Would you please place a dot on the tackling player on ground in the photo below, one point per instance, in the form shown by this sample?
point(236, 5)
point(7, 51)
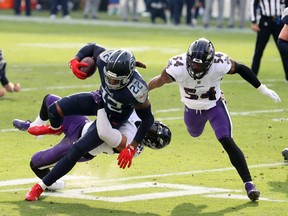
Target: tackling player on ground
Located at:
point(198, 74)
point(158, 137)
point(123, 90)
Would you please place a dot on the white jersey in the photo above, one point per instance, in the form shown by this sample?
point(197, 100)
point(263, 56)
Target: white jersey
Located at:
point(128, 129)
point(199, 94)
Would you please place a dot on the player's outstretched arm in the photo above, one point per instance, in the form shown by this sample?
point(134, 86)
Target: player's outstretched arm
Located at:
point(247, 74)
point(159, 80)
point(268, 92)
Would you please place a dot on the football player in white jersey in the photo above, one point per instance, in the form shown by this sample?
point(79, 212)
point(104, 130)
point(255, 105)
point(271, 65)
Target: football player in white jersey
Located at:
point(198, 74)
point(76, 126)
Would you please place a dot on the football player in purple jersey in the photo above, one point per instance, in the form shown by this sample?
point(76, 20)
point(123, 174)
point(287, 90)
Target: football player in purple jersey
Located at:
point(123, 90)
point(198, 73)
point(158, 137)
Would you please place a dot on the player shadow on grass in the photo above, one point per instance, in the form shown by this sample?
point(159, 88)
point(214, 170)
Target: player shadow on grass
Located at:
point(279, 187)
point(25, 208)
point(190, 209)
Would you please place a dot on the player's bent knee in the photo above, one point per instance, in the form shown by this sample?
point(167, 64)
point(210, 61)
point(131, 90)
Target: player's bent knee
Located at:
point(194, 133)
point(52, 110)
point(32, 165)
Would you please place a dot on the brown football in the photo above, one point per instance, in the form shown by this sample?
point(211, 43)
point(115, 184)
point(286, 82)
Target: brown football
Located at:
point(91, 68)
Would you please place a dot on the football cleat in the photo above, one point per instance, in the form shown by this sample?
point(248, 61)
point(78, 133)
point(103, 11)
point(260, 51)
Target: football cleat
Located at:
point(21, 125)
point(58, 185)
point(44, 129)
point(285, 153)
point(34, 193)
point(252, 192)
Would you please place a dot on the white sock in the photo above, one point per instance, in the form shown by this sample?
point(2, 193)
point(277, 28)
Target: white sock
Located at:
point(43, 186)
point(55, 128)
point(38, 121)
point(248, 182)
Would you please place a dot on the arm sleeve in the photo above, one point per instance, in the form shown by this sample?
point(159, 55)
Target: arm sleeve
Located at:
point(147, 121)
point(91, 49)
point(109, 135)
point(247, 74)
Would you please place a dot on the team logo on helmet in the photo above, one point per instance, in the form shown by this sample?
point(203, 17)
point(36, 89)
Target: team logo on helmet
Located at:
point(158, 137)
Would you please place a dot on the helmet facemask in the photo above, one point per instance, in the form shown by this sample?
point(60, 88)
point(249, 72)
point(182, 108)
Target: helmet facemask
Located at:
point(158, 137)
point(119, 69)
point(116, 82)
point(199, 58)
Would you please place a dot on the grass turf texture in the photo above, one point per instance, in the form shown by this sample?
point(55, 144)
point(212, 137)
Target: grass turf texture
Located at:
point(38, 52)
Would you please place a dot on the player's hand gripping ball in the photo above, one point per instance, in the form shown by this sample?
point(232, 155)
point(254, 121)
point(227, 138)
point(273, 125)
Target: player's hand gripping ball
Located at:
point(91, 68)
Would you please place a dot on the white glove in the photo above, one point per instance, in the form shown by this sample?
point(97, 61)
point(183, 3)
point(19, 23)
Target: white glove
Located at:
point(268, 92)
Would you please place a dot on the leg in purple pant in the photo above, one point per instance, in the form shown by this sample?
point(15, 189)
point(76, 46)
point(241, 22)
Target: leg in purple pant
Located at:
point(221, 123)
point(42, 160)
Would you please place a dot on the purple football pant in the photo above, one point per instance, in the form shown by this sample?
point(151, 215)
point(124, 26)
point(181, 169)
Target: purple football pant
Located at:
point(72, 128)
point(218, 117)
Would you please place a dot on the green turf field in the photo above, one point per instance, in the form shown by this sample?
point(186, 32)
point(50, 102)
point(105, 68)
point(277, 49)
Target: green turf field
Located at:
point(189, 177)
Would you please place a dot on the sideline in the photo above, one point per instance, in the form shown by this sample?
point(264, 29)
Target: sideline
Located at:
point(120, 22)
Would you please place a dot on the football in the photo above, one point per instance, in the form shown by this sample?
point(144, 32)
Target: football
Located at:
point(91, 68)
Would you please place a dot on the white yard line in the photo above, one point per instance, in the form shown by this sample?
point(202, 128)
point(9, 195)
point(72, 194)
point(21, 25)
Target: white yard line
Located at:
point(247, 113)
point(69, 177)
point(176, 190)
point(96, 85)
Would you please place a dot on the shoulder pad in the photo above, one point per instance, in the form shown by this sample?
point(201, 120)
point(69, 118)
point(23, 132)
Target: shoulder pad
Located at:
point(139, 90)
point(176, 62)
point(105, 55)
